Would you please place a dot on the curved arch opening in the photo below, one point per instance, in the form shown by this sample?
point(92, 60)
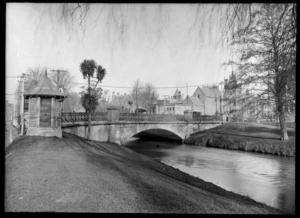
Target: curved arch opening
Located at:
point(158, 134)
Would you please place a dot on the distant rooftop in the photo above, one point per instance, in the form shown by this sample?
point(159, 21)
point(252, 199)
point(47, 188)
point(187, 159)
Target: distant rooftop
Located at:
point(45, 87)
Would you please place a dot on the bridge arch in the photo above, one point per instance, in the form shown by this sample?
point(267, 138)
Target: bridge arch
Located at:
point(158, 133)
point(121, 132)
point(175, 132)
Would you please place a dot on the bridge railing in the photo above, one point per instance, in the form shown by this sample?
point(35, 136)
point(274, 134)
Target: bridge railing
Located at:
point(150, 117)
point(197, 117)
point(73, 117)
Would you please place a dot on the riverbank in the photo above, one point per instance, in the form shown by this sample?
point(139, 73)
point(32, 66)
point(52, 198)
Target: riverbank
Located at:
point(73, 174)
point(251, 137)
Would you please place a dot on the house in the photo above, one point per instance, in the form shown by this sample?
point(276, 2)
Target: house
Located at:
point(173, 105)
point(44, 108)
point(170, 106)
point(194, 104)
point(210, 98)
point(245, 102)
point(9, 112)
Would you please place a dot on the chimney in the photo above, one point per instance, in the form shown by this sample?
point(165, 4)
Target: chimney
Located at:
point(46, 72)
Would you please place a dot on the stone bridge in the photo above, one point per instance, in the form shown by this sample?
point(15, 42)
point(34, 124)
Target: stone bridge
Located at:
point(116, 130)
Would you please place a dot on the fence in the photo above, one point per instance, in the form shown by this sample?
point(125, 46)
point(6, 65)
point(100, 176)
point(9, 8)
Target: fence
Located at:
point(150, 117)
point(73, 117)
point(198, 117)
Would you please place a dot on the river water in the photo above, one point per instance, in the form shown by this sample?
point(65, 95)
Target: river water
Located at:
point(265, 178)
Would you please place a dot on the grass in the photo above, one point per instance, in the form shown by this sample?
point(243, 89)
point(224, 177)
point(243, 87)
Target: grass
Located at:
point(73, 174)
point(246, 137)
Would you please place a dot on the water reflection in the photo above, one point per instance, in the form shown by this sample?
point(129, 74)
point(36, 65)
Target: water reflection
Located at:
point(265, 178)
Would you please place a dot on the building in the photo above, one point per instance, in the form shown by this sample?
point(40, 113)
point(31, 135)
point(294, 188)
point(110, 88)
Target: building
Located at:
point(173, 105)
point(9, 112)
point(245, 102)
point(170, 106)
point(205, 100)
point(210, 98)
point(44, 108)
point(194, 104)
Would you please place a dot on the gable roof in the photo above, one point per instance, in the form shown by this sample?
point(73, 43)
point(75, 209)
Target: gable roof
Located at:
point(45, 87)
point(193, 100)
point(212, 92)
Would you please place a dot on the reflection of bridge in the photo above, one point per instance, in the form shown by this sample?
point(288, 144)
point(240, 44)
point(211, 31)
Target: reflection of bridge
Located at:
point(116, 127)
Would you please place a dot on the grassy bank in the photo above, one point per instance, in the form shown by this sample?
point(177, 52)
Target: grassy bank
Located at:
point(246, 137)
point(73, 174)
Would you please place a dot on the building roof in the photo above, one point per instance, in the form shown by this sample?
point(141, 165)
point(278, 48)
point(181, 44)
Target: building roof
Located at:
point(211, 91)
point(162, 102)
point(193, 100)
point(177, 93)
point(45, 87)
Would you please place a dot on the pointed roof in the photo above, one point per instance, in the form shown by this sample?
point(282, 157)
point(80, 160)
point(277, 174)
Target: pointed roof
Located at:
point(193, 100)
point(177, 92)
point(211, 91)
point(45, 87)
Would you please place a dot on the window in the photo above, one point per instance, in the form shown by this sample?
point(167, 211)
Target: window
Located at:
point(26, 104)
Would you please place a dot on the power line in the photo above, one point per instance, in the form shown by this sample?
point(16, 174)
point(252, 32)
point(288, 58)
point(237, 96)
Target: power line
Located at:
point(161, 87)
point(9, 77)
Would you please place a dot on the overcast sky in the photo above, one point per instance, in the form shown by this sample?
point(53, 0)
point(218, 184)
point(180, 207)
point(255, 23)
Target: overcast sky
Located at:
point(166, 56)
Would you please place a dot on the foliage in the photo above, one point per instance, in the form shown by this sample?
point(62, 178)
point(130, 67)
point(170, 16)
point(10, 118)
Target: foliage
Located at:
point(72, 103)
point(65, 79)
point(143, 95)
point(267, 49)
point(90, 96)
point(89, 102)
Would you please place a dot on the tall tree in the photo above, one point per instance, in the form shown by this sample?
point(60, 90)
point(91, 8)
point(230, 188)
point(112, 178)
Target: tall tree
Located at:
point(267, 49)
point(149, 96)
point(137, 92)
point(89, 98)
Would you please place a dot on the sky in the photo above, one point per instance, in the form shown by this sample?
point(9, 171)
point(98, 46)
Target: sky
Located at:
point(158, 48)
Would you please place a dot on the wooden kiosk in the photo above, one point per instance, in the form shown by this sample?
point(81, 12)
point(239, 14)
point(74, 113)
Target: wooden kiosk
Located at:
point(44, 110)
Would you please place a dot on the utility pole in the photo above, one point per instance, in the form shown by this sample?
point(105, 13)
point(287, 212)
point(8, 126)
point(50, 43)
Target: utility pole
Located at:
point(57, 78)
point(58, 74)
point(187, 90)
point(22, 104)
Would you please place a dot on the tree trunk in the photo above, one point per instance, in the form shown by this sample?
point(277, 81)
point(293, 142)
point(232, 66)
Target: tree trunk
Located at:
point(283, 130)
point(89, 127)
point(89, 121)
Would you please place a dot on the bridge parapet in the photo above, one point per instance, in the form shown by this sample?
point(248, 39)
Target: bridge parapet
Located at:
point(151, 117)
point(114, 115)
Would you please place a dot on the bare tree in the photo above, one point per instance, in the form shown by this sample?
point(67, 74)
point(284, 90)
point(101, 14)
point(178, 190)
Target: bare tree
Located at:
point(149, 96)
point(267, 48)
point(64, 79)
point(136, 93)
point(89, 97)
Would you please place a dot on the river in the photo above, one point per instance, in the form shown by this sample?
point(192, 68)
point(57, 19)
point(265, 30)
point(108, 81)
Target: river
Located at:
point(265, 178)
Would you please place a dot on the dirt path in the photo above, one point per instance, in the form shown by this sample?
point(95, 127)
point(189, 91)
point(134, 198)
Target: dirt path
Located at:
point(75, 175)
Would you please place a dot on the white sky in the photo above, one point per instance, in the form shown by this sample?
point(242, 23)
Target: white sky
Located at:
point(33, 38)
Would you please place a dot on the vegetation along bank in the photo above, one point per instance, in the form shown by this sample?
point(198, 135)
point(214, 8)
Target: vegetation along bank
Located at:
point(252, 137)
